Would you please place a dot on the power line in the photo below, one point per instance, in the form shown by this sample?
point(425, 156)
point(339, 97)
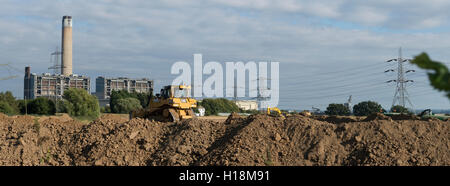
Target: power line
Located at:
point(323, 75)
point(353, 92)
point(335, 85)
point(346, 70)
point(375, 86)
point(8, 68)
point(337, 79)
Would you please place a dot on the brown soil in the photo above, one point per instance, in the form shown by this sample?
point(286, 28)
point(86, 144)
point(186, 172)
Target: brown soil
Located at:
point(254, 140)
point(338, 119)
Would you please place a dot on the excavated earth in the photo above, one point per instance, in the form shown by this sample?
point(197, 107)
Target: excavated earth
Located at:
point(296, 140)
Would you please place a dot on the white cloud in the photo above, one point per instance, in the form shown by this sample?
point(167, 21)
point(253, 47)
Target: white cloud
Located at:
point(368, 16)
point(415, 14)
point(430, 22)
point(324, 9)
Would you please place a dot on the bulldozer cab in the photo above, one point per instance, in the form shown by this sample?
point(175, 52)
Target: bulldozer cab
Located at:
point(175, 91)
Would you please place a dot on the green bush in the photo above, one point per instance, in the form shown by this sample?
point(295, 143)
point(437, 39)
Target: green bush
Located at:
point(216, 106)
point(21, 105)
point(105, 109)
point(195, 110)
point(41, 106)
point(400, 109)
point(337, 109)
point(81, 103)
point(127, 105)
point(64, 106)
point(6, 108)
point(143, 98)
point(8, 105)
point(366, 108)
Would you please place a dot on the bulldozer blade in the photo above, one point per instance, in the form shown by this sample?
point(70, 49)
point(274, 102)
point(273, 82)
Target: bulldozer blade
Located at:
point(174, 115)
point(190, 112)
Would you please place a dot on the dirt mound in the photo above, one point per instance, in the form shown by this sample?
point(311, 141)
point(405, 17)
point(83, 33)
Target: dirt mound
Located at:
point(253, 140)
point(108, 142)
point(266, 140)
point(377, 116)
point(405, 117)
point(396, 143)
point(232, 118)
point(188, 142)
point(297, 140)
point(118, 118)
point(29, 140)
point(337, 119)
point(3, 116)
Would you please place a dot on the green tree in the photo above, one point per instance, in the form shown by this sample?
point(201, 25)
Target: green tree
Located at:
point(64, 106)
point(210, 106)
point(366, 108)
point(127, 105)
point(400, 109)
point(41, 106)
point(115, 96)
point(9, 106)
point(216, 106)
point(440, 75)
point(6, 108)
point(143, 98)
point(81, 103)
point(337, 109)
point(105, 109)
point(21, 105)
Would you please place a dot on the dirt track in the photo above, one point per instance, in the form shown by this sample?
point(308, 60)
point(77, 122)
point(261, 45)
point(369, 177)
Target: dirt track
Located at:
point(254, 140)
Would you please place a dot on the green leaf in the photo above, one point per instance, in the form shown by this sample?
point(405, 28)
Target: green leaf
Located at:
point(439, 76)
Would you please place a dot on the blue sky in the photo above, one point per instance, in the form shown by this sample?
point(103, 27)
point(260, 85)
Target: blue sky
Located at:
point(327, 50)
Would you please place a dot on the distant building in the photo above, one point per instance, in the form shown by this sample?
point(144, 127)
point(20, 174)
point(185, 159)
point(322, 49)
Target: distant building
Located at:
point(247, 104)
point(105, 86)
point(51, 85)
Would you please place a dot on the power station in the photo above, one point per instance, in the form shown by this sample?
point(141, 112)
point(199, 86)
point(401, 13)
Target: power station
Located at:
point(53, 85)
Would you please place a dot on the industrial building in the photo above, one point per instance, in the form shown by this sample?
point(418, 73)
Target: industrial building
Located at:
point(51, 85)
point(54, 85)
point(104, 87)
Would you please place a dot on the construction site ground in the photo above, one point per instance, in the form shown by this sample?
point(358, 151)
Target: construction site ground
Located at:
point(261, 139)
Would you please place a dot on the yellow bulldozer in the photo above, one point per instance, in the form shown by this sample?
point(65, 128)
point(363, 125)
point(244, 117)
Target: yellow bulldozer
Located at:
point(274, 111)
point(172, 104)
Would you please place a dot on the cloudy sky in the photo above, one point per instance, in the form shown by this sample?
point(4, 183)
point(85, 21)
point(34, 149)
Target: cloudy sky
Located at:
point(327, 50)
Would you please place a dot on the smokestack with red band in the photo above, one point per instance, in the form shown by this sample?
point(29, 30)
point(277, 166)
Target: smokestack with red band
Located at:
point(66, 58)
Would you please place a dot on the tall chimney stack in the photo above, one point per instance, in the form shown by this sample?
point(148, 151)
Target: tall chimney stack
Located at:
point(66, 57)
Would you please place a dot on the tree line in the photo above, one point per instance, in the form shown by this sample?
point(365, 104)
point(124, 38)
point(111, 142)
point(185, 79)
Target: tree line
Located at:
point(364, 108)
point(76, 102)
point(79, 103)
point(123, 102)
